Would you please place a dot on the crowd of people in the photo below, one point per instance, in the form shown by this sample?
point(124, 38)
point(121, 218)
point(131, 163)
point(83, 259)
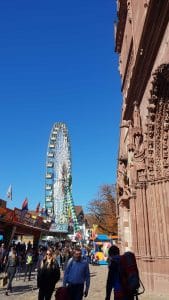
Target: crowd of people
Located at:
point(48, 261)
point(21, 260)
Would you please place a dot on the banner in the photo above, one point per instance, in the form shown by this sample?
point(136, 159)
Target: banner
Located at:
point(29, 219)
point(59, 228)
point(23, 217)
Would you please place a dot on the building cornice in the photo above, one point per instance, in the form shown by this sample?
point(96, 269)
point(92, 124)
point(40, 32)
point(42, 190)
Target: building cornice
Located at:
point(120, 26)
point(155, 25)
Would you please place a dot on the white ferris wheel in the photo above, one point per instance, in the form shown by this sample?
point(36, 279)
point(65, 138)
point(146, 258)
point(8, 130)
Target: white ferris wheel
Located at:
point(58, 184)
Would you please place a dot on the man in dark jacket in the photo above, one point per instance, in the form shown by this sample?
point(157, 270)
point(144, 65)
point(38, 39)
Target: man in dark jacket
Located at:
point(115, 277)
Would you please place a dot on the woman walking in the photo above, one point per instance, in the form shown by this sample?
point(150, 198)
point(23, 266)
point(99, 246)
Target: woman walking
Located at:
point(11, 266)
point(48, 275)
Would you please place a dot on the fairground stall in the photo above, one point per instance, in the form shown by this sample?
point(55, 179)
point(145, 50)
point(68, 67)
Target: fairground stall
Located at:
point(21, 223)
point(101, 246)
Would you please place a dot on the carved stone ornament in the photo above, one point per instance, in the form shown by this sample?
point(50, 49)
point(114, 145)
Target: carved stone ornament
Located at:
point(122, 182)
point(132, 166)
point(137, 169)
point(158, 126)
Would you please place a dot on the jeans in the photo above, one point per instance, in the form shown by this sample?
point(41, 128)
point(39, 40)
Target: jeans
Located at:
point(11, 273)
point(28, 270)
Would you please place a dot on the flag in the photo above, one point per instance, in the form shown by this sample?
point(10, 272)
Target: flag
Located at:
point(25, 204)
point(38, 207)
point(9, 192)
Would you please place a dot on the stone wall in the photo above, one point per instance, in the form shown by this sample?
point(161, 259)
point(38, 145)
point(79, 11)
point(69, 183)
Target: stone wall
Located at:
point(142, 41)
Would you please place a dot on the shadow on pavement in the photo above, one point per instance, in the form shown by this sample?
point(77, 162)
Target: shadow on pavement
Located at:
point(17, 290)
point(93, 274)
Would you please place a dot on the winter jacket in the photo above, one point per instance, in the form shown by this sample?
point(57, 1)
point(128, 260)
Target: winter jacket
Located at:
point(48, 275)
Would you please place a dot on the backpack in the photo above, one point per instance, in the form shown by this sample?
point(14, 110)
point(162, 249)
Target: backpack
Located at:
point(129, 273)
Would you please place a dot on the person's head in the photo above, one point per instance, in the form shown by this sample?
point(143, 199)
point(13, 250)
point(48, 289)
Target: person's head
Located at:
point(113, 250)
point(77, 254)
point(49, 254)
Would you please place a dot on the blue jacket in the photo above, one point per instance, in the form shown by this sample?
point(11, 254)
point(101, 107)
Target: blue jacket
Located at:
point(77, 272)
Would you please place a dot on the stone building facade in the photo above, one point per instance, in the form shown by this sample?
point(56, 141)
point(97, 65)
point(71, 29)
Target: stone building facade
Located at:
point(142, 42)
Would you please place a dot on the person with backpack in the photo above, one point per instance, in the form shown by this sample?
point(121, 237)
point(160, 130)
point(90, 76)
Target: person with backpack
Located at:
point(130, 275)
point(113, 278)
point(123, 275)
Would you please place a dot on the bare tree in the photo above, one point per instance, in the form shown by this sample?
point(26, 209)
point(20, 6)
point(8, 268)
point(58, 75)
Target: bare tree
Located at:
point(103, 209)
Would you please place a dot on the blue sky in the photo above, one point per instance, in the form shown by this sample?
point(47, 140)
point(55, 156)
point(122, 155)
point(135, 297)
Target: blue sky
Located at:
point(57, 64)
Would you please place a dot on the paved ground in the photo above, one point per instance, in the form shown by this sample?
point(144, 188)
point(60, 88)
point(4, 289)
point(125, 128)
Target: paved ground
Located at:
point(28, 291)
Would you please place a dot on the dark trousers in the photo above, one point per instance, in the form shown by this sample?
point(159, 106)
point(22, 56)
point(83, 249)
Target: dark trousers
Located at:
point(11, 273)
point(76, 291)
point(2, 267)
point(28, 270)
point(45, 295)
point(121, 295)
point(18, 271)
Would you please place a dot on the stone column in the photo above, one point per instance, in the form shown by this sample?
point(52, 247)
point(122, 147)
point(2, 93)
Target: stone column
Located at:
point(133, 220)
point(156, 207)
point(142, 220)
point(151, 219)
point(165, 215)
point(126, 229)
point(160, 218)
point(147, 249)
point(139, 220)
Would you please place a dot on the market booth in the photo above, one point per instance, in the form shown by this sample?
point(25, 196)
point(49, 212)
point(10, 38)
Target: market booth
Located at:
point(101, 245)
point(20, 222)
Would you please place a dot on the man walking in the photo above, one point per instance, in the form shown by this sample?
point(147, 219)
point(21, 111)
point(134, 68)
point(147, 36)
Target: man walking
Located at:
point(29, 264)
point(77, 276)
point(113, 278)
point(123, 275)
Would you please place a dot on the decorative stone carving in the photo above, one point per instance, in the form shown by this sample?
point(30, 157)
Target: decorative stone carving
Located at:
point(130, 146)
point(132, 168)
point(158, 126)
point(129, 11)
point(122, 181)
point(139, 149)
